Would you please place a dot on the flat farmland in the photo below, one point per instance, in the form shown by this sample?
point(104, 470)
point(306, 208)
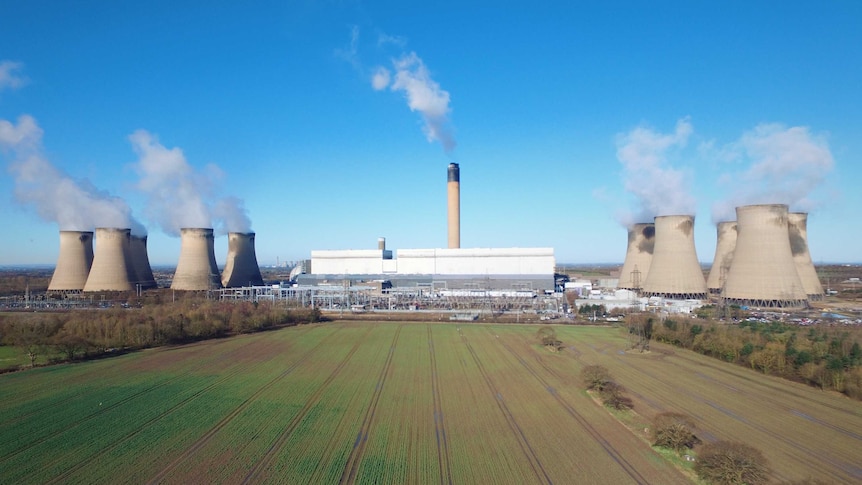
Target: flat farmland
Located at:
point(360, 402)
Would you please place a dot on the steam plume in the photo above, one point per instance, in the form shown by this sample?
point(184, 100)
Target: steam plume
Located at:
point(423, 94)
point(10, 76)
point(180, 196)
point(75, 205)
point(785, 165)
point(658, 188)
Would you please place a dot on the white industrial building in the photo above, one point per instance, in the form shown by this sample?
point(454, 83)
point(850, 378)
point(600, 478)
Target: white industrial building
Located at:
point(497, 268)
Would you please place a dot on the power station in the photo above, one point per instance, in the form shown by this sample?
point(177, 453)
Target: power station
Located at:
point(761, 260)
point(452, 267)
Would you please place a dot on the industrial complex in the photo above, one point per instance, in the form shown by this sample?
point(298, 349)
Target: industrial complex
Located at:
point(761, 260)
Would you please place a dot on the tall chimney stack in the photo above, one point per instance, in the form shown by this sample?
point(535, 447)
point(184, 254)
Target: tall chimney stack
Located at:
point(454, 190)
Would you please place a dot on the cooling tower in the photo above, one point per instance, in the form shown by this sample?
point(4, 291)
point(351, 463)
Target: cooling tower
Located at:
point(241, 268)
point(454, 192)
point(638, 256)
point(797, 226)
point(763, 273)
point(141, 263)
point(196, 268)
point(112, 265)
point(675, 271)
point(725, 244)
point(73, 261)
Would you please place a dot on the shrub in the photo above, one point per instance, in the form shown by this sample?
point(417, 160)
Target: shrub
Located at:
point(730, 463)
point(674, 431)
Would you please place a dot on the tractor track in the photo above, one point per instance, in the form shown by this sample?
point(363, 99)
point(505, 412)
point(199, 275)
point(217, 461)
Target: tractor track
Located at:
point(443, 460)
point(66, 399)
point(207, 437)
point(356, 454)
point(261, 465)
point(104, 409)
point(850, 469)
point(526, 448)
point(609, 449)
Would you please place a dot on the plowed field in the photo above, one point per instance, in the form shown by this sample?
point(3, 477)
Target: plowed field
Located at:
point(400, 403)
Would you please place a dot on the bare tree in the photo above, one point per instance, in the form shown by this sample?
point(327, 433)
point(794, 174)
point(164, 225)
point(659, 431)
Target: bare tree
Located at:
point(548, 336)
point(595, 377)
point(674, 431)
point(613, 396)
point(731, 463)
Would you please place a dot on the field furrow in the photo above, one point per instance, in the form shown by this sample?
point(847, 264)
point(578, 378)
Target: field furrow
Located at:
point(439, 423)
point(354, 460)
point(403, 403)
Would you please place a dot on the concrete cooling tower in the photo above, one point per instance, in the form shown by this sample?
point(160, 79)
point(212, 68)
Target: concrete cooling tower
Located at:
point(797, 226)
point(675, 271)
point(638, 256)
point(724, 247)
point(112, 266)
point(763, 273)
point(241, 268)
point(196, 268)
point(73, 262)
point(141, 263)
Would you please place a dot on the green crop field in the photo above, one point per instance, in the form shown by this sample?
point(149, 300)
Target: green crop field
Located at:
point(401, 403)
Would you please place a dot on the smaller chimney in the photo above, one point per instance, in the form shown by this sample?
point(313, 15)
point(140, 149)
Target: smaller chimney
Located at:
point(381, 243)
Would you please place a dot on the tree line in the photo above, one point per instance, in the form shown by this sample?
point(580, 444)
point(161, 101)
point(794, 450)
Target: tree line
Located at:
point(90, 333)
point(825, 356)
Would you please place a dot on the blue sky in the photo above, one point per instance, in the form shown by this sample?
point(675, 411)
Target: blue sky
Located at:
point(325, 125)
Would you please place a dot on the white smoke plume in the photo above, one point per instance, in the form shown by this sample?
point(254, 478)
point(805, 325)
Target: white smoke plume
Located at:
point(658, 188)
point(423, 94)
point(231, 215)
point(179, 196)
point(10, 75)
point(784, 166)
point(75, 205)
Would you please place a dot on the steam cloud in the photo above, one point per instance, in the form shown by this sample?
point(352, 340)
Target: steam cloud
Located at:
point(179, 196)
point(10, 76)
point(658, 188)
point(56, 197)
point(785, 165)
point(423, 94)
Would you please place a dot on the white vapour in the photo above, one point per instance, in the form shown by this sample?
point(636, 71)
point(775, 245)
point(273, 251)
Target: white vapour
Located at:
point(75, 205)
point(231, 215)
point(423, 94)
point(10, 75)
point(658, 188)
point(784, 166)
point(179, 196)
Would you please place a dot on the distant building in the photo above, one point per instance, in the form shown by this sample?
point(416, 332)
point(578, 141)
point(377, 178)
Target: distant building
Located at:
point(492, 268)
